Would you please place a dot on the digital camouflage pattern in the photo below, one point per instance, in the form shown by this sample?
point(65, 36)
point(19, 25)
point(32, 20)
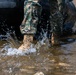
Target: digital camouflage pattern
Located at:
point(56, 18)
point(32, 12)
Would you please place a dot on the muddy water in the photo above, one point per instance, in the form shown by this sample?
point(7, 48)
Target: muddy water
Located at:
point(59, 60)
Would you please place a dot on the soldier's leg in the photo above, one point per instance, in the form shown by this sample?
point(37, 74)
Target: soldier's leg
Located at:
point(27, 41)
point(28, 35)
point(55, 21)
point(29, 24)
point(26, 27)
point(56, 26)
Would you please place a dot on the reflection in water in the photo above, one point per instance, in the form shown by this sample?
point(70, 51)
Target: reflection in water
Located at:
point(59, 60)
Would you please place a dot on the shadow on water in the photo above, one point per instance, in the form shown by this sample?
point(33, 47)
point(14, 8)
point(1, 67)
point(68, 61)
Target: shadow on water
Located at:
point(66, 40)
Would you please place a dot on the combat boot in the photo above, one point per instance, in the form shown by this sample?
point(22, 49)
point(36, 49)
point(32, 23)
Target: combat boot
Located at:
point(54, 40)
point(27, 41)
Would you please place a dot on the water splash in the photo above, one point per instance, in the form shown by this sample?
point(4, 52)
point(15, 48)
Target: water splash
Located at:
point(43, 41)
point(13, 44)
point(11, 39)
point(8, 50)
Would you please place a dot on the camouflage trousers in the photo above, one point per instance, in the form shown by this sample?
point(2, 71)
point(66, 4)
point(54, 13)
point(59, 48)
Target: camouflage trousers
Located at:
point(56, 22)
point(32, 12)
point(56, 18)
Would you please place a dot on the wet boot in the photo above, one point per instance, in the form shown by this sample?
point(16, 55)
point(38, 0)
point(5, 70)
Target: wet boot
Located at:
point(55, 40)
point(27, 41)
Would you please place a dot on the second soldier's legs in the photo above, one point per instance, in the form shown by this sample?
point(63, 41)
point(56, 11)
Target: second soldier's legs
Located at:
point(56, 22)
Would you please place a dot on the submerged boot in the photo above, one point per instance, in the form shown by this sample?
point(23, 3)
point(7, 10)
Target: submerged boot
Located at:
point(54, 40)
point(28, 39)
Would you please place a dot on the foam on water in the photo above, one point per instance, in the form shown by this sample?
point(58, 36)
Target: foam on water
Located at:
point(7, 50)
